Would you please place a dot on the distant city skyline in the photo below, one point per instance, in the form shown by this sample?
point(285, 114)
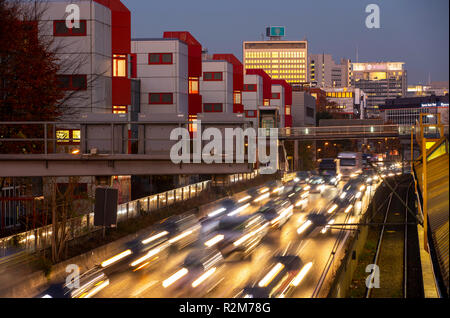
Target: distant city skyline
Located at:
point(412, 31)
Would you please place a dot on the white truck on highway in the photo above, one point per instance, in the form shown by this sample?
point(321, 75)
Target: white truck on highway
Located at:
point(350, 164)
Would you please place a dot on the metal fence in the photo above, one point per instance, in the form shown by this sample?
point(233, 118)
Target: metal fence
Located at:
point(40, 238)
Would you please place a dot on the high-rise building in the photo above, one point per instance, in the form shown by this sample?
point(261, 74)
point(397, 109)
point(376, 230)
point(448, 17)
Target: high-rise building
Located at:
point(286, 60)
point(326, 73)
point(380, 81)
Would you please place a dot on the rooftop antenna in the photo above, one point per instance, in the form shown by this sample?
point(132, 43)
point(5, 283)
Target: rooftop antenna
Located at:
point(262, 36)
point(429, 78)
point(357, 57)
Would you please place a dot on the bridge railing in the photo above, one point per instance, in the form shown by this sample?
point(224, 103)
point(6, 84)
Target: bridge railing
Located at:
point(345, 131)
point(152, 138)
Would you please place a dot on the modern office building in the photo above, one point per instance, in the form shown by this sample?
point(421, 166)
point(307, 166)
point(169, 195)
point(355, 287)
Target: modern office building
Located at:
point(347, 100)
point(380, 81)
point(406, 111)
point(287, 60)
point(326, 73)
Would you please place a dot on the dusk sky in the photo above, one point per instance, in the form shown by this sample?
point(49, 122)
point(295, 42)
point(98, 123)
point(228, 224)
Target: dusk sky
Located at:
point(412, 31)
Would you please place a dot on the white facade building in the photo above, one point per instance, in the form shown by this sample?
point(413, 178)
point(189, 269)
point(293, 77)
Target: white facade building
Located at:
point(162, 67)
point(252, 97)
point(216, 87)
point(278, 102)
point(85, 53)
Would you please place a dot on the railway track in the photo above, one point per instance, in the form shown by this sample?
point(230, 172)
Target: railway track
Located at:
point(391, 255)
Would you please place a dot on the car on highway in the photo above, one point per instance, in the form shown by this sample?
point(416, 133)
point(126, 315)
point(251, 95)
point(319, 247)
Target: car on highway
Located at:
point(277, 212)
point(298, 196)
point(241, 234)
point(182, 230)
point(199, 273)
point(284, 276)
point(331, 179)
point(316, 184)
point(89, 284)
point(315, 221)
point(302, 177)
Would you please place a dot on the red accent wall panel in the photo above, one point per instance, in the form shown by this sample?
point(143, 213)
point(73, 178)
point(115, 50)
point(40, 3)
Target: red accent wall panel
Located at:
point(287, 90)
point(288, 121)
point(120, 44)
point(238, 69)
point(194, 51)
point(238, 108)
point(195, 104)
point(121, 91)
point(267, 81)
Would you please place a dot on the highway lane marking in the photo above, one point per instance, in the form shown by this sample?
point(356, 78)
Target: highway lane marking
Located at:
point(145, 287)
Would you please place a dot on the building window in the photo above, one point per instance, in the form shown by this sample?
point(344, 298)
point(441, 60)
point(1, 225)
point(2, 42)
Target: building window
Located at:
point(266, 102)
point(288, 109)
point(160, 58)
point(72, 82)
point(192, 124)
point(250, 87)
point(310, 112)
point(60, 29)
point(275, 95)
point(120, 109)
point(193, 85)
point(212, 107)
point(250, 113)
point(160, 98)
point(212, 76)
point(237, 98)
point(68, 136)
point(119, 65)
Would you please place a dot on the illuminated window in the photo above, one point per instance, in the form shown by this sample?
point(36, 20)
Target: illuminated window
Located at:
point(266, 102)
point(119, 65)
point(68, 136)
point(192, 123)
point(288, 109)
point(237, 98)
point(193, 85)
point(120, 109)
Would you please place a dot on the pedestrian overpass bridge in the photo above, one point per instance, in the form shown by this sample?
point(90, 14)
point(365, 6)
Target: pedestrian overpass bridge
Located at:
point(143, 148)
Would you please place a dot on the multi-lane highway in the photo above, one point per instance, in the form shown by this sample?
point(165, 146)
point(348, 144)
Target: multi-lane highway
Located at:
point(231, 277)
